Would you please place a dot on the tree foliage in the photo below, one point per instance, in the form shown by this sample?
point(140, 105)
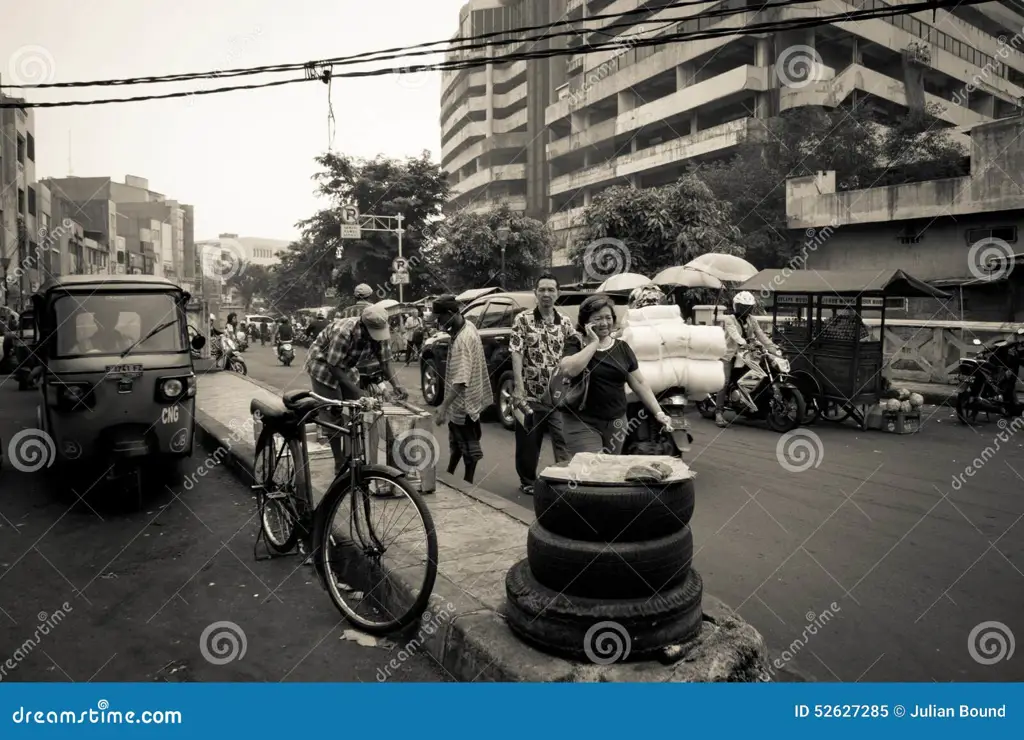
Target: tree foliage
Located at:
point(658, 227)
point(253, 282)
point(414, 187)
point(862, 146)
point(465, 251)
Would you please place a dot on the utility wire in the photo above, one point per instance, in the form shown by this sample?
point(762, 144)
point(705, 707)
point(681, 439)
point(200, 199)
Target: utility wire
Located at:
point(456, 44)
point(470, 43)
point(641, 40)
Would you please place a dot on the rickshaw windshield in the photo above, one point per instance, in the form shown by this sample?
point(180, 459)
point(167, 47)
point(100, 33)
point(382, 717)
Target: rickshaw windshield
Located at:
point(109, 324)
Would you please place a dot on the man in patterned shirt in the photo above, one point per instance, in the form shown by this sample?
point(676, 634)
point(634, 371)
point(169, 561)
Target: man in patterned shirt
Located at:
point(537, 343)
point(467, 387)
point(336, 353)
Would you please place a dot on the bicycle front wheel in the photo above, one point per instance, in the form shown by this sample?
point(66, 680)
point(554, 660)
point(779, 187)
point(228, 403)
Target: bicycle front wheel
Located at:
point(377, 551)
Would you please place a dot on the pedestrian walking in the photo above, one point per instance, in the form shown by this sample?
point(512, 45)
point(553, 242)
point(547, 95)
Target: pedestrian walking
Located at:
point(537, 345)
point(414, 332)
point(467, 387)
point(264, 333)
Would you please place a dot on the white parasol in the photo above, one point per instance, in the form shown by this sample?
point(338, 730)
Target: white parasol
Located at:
point(726, 267)
point(686, 277)
point(623, 281)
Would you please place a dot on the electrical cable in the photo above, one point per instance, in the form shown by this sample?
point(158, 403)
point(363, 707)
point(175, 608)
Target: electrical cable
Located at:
point(617, 43)
point(398, 52)
point(467, 44)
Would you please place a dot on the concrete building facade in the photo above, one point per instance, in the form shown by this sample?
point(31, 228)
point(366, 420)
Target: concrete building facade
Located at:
point(963, 234)
point(19, 204)
point(642, 115)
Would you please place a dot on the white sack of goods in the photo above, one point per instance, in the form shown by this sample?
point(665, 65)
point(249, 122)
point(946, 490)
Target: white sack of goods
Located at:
point(698, 377)
point(645, 341)
point(653, 314)
point(705, 342)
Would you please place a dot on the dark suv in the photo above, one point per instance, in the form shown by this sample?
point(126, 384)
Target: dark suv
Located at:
point(492, 315)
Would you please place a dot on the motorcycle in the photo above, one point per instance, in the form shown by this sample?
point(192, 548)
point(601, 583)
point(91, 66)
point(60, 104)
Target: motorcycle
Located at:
point(645, 435)
point(285, 353)
point(242, 341)
point(766, 392)
point(987, 382)
point(303, 340)
point(228, 358)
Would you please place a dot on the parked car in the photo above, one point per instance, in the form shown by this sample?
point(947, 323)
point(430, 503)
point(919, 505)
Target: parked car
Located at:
point(492, 315)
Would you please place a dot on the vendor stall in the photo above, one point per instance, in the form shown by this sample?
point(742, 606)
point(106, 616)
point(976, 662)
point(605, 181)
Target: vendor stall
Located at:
point(836, 363)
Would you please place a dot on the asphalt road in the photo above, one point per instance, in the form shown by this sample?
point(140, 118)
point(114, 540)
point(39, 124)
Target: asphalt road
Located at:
point(91, 592)
point(915, 552)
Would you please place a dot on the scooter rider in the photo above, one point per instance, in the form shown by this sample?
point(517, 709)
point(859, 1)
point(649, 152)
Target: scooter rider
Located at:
point(741, 328)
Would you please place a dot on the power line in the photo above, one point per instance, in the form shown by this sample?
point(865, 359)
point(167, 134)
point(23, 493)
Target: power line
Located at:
point(465, 44)
point(398, 52)
point(641, 40)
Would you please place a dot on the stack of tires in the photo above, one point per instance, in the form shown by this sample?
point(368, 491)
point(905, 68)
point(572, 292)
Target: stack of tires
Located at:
point(607, 558)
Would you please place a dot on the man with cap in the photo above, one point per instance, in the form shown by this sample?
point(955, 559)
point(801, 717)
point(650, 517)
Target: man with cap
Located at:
point(335, 354)
point(364, 296)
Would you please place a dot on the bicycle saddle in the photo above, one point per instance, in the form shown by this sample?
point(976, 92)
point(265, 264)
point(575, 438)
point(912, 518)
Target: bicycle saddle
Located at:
point(300, 401)
point(271, 412)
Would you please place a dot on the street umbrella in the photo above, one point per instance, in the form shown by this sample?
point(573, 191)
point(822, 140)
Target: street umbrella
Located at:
point(624, 281)
point(686, 277)
point(725, 267)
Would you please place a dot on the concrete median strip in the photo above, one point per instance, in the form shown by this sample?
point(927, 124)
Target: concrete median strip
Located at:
point(480, 536)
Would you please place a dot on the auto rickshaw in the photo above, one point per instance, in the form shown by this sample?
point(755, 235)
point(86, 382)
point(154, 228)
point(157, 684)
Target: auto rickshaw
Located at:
point(117, 385)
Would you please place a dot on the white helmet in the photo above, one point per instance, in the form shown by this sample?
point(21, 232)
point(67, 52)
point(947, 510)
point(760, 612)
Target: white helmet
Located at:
point(212, 317)
point(321, 315)
point(744, 298)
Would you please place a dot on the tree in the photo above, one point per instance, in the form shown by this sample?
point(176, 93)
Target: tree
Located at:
point(252, 282)
point(645, 230)
point(466, 250)
point(864, 148)
point(414, 187)
point(299, 280)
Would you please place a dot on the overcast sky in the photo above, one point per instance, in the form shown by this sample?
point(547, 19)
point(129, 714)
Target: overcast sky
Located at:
point(244, 159)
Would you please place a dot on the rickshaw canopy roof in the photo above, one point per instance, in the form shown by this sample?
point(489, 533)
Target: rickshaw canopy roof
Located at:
point(99, 282)
point(867, 283)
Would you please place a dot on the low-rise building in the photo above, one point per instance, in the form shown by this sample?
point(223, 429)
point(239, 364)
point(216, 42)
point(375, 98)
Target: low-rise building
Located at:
point(962, 234)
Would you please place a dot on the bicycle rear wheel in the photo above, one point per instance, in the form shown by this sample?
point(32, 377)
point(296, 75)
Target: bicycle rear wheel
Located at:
point(352, 549)
point(279, 476)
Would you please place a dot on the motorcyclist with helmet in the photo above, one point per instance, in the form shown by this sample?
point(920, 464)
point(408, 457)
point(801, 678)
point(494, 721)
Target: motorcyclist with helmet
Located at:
point(741, 330)
point(316, 326)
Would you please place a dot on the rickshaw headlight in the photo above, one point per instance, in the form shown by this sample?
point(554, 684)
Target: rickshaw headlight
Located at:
point(172, 388)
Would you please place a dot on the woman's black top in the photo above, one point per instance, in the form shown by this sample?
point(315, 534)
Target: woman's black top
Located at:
point(607, 372)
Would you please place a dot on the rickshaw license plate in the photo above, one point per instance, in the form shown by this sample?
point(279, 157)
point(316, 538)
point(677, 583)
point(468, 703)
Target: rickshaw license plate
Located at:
point(118, 372)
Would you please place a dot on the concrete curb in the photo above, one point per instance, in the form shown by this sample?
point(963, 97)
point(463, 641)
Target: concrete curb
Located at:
point(472, 642)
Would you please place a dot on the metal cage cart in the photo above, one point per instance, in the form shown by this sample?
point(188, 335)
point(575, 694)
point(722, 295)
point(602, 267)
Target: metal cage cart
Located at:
point(837, 364)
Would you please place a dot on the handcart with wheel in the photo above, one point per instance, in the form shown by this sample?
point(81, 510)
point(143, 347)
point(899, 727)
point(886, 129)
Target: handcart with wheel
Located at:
point(836, 362)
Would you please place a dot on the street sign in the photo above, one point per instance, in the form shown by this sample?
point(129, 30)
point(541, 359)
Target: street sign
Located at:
point(351, 231)
point(400, 278)
point(400, 264)
point(350, 215)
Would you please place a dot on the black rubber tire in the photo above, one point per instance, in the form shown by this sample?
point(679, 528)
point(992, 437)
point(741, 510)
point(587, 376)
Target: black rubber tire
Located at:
point(606, 570)
point(237, 365)
point(626, 512)
point(285, 509)
point(562, 624)
point(962, 406)
point(507, 383)
point(433, 399)
point(790, 423)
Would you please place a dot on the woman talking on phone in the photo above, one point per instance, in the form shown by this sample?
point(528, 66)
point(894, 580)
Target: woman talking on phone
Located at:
point(604, 365)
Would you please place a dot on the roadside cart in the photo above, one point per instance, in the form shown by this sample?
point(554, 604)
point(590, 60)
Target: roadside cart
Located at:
point(837, 364)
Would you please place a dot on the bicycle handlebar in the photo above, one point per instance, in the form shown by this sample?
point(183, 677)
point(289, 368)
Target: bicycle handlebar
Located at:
point(364, 404)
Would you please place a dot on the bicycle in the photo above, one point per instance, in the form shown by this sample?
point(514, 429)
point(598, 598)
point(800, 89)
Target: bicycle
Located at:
point(310, 525)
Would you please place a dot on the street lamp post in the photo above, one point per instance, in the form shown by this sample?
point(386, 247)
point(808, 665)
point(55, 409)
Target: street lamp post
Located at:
point(503, 232)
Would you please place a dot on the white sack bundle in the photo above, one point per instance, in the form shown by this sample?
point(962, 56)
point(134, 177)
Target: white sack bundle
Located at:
point(700, 377)
point(705, 342)
point(644, 340)
point(654, 314)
